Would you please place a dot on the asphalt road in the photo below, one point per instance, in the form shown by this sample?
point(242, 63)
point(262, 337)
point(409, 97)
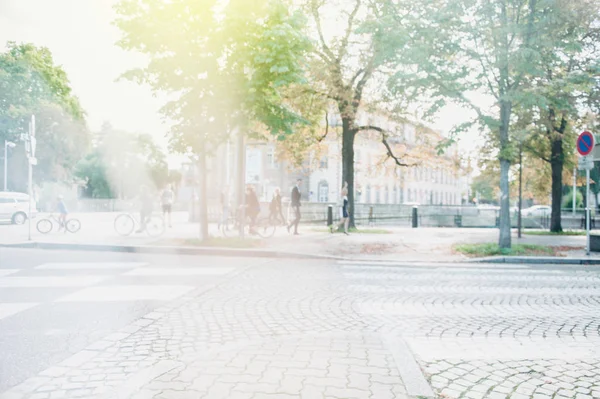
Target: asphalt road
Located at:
point(53, 304)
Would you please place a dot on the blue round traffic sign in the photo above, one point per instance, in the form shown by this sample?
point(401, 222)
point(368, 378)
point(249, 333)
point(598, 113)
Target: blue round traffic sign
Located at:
point(585, 143)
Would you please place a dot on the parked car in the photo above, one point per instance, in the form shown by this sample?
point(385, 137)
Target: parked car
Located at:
point(488, 207)
point(537, 211)
point(14, 207)
point(411, 204)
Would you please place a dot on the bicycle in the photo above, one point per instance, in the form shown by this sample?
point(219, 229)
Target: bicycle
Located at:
point(264, 227)
point(45, 225)
point(126, 223)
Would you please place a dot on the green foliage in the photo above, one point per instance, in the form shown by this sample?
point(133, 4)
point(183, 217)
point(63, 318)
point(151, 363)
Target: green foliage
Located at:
point(567, 200)
point(550, 233)
point(226, 65)
point(120, 164)
point(93, 172)
point(492, 249)
point(31, 84)
point(29, 80)
point(486, 185)
point(524, 55)
point(595, 178)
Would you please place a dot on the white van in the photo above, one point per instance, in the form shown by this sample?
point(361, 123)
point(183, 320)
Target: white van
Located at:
point(14, 207)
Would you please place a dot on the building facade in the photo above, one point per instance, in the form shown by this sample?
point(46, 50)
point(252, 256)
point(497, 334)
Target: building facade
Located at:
point(430, 178)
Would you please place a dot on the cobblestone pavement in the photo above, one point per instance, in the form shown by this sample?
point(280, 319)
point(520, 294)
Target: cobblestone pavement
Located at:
point(316, 330)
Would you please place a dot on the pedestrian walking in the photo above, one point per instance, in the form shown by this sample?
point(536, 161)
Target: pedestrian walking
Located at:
point(344, 214)
point(276, 209)
point(167, 199)
point(295, 204)
point(252, 207)
point(225, 203)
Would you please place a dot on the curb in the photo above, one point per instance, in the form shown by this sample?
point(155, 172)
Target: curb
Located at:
point(536, 260)
point(171, 250)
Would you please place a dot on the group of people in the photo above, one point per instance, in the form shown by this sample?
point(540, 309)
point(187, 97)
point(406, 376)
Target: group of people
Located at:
point(251, 208)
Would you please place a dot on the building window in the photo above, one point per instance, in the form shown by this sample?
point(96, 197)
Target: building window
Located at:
point(368, 195)
point(323, 193)
point(387, 195)
point(272, 158)
point(378, 195)
point(395, 195)
point(324, 162)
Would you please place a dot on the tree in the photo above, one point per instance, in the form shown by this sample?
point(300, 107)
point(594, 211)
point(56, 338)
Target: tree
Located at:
point(30, 83)
point(484, 188)
point(92, 171)
point(557, 97)
point(346, 65)
point(485, 47)
point(120, 163)
point(224, 65)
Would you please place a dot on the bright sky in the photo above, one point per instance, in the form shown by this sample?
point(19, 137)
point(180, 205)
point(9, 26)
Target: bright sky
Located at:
point(80, 35)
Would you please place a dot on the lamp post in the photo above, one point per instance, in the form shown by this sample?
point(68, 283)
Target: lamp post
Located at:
point(7, 145)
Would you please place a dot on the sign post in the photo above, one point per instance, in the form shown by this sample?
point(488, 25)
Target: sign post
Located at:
point(585, 146)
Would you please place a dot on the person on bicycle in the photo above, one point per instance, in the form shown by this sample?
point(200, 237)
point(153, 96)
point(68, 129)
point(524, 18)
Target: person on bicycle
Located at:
point(146, 201)
point(252, 207)
point(62, 213)
point(276, 209)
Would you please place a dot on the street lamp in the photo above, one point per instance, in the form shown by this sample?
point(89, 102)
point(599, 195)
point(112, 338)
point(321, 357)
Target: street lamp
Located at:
point(7, 145)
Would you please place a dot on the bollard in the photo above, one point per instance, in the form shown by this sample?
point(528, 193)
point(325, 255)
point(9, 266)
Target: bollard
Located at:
point(457, 220)
point(415, 217)
point(330, 215)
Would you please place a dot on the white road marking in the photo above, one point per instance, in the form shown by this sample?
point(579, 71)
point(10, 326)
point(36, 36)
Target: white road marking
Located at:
point(50, 281)
point(89, 265)
point(9, 309)
point(180, 271)
point(119, 293)
point(6, 272)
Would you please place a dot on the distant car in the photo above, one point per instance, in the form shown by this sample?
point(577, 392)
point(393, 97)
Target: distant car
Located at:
point(14, 207)
point(537, 211)
point(411, 204)
point(488, 207)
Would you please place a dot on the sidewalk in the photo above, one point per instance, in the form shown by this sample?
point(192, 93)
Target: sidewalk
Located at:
point(398, 244)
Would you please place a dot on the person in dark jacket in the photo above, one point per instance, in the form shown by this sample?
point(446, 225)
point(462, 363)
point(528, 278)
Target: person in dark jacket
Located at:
point(276, 209)
point(295, 204)
point(252, 207)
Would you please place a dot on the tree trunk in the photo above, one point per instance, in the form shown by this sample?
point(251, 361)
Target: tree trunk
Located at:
point(557, 162)
point(348, 135)
point(505, 239)
point(202, 197)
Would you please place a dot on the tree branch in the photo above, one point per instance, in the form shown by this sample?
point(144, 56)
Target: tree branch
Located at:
point(356, 75)
point(390, 153)
point(344, 43)
point(326, 128)
point(316, 15)
point(360, 86)
point(318, 93)
point(536, 153)
point(532, 6)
